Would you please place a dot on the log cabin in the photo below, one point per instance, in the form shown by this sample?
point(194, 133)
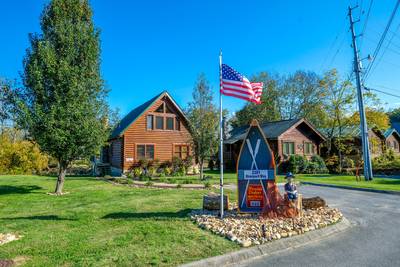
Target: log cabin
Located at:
point(285, 138)
point(156, 130)
point(392, 140)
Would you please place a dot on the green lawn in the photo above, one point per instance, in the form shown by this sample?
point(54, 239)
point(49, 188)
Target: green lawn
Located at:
point(100, 224)
point(350, 180)
point(229, 178)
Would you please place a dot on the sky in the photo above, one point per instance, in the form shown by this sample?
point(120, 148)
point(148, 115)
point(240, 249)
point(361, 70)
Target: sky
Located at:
point(151, 46)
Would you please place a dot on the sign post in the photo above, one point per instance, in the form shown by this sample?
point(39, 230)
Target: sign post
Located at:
point(256, 166)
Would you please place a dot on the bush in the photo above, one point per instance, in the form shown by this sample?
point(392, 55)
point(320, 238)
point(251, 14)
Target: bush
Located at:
point(332, 163)
point(319, 163)
point(167, 171)
point(137, 172)
point(152, 171)
point(143, 163)
point(297, 164)
point(207, 185)
point(21, 157)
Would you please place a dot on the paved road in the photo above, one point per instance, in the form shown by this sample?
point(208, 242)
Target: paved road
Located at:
point(374, 240)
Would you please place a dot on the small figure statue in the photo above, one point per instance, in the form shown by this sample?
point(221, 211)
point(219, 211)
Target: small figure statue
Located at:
point(290, 187)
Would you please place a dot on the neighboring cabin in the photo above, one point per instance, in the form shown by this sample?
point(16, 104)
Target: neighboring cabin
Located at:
point(155, 130)
point(285, 138)
point(379, 141)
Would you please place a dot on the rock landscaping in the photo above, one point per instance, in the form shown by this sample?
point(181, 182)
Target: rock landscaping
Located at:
point(251, 229)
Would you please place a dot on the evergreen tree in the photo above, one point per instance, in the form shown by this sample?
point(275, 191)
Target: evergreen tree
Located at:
point(62, 103)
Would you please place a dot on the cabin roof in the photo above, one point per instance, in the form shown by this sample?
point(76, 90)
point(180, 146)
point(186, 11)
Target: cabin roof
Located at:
point(271, 129)
point(350, 131)
point(134, 114)
point(391, 131)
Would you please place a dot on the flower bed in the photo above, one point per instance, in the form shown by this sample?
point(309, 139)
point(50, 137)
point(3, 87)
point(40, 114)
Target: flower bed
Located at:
point(250, 229)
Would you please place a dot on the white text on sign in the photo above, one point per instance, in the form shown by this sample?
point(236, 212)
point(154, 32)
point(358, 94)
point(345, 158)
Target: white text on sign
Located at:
point(255, 174)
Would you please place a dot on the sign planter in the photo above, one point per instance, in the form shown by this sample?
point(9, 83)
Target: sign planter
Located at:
point(255, 167)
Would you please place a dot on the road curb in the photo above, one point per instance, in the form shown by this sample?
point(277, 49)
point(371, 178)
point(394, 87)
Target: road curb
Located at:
point(354, 188)
point(273, 247)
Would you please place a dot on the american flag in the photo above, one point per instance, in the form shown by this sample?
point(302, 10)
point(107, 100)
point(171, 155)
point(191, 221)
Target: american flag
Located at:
point(235, 84)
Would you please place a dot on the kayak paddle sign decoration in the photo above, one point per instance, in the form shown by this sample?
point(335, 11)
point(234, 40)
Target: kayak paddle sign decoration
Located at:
point(256, 166)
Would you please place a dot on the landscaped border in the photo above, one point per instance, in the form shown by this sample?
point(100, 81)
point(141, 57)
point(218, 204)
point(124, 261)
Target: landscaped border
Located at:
point(274, 247)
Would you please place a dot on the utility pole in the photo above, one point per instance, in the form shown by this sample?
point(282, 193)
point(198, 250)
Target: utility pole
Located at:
point(361, 109)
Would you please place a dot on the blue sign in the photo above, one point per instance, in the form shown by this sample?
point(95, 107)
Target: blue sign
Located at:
point(255, 167)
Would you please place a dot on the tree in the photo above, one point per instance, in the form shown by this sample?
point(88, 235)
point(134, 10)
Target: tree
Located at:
point(375, 118)
point(204, 121)
point(301, 98)
point(268, 110)
point(394, 115)
point(339, 100)
point(62, 103)
point(5, 108)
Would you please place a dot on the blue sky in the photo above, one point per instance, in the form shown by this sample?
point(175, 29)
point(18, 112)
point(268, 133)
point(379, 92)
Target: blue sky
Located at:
point(150, 46)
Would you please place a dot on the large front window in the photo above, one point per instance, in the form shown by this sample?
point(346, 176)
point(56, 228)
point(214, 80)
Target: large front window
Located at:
point(181, 151)
point(145, 152)
point(308, 148)
point(288, 148)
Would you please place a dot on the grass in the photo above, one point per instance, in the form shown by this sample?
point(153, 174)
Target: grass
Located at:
point(101, 224)
point(350, 180)
point(230, 177)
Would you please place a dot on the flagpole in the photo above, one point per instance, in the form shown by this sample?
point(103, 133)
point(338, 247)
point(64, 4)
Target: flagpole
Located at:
point(221, 144)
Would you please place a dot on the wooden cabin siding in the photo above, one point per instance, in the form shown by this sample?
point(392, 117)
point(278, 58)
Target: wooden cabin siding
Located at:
point(163, 140)
point(116, 151)
point(393, 143)
point(300, 139)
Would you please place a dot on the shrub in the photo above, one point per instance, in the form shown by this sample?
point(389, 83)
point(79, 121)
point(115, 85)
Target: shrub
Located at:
point(137, 172)
point(178, 186)
point(149, 183)
point(143, 163)
point(187, 163)
point(177, 163)
point(297, 164)
point(320, 165)
point(167, 171)
point(332, 163)
point(20, 157)
point(347, 163)
point(207, 185)
point(152, 171)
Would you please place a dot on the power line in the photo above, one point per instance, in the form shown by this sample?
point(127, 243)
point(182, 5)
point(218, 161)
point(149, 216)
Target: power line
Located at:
point(386, 48)
point(366, 22)
point(368, 69)
point(382, 92)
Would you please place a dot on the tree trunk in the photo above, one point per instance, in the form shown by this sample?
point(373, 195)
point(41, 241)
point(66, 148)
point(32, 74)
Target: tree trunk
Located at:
point(60, 179)
point(201, 163)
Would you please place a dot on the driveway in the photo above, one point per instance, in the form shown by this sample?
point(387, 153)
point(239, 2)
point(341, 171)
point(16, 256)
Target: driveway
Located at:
point(374, 240)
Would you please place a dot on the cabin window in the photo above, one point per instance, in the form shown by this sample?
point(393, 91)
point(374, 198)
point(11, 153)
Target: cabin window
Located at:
point(159, 123)
point(181, 151)
point(160, 109)
point(145, 152)
point(288, 148)
point(395, 145)
point(177, 124)
point(170, 123)
point(308, 148)
point(168, 109)
point(150, 124)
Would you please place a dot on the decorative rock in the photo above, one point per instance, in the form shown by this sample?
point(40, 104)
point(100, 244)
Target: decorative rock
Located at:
point(246, 243)
point(249, 229)
point(212, 201)
point(313, 203)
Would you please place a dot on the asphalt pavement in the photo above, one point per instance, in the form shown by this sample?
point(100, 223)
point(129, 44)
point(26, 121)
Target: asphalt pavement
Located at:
point(374, 239)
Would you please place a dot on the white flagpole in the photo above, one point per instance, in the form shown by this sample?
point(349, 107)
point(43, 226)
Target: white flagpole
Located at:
point(221, 144)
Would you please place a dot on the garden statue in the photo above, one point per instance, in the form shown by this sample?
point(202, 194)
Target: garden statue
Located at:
point(290, 187)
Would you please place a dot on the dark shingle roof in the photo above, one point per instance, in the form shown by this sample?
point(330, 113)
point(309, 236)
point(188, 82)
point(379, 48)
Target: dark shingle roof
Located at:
point(391, 131)
point(132, 116)
point(271, 129)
